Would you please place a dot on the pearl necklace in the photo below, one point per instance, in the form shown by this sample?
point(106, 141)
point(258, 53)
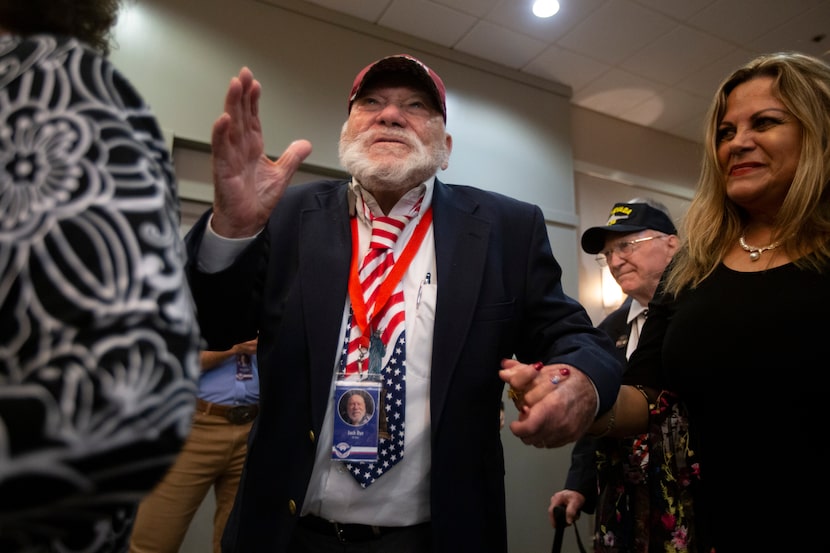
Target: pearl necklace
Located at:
point(754, 251)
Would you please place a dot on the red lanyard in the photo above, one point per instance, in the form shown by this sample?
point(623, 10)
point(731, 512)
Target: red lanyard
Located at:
point(389, 283)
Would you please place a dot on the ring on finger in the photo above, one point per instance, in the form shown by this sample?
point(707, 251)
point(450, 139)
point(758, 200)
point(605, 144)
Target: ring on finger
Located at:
point(517, 396)
point(560, 375)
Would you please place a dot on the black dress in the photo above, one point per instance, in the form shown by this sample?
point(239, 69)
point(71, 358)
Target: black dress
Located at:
point(745, 352)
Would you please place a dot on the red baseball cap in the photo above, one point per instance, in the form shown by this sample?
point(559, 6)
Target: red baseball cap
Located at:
point(406, 64)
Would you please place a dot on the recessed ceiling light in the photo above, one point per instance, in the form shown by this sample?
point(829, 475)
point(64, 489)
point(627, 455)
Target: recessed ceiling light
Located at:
point(545, 8)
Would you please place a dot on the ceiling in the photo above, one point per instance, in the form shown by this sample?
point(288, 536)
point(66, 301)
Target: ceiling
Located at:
point(655, 63)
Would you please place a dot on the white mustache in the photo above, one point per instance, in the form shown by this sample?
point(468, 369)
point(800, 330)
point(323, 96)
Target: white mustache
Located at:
point(387, 135)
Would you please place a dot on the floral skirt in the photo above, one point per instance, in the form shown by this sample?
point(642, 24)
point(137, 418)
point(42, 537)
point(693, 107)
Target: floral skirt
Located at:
point(646, 486)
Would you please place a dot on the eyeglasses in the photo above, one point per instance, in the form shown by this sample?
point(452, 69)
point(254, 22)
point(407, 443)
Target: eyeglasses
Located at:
point(623, 249)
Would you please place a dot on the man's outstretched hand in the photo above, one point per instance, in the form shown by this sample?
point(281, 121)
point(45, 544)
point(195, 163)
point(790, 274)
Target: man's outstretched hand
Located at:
point(247, 185)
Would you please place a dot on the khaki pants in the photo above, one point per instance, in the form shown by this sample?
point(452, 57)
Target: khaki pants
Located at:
point(212, 455)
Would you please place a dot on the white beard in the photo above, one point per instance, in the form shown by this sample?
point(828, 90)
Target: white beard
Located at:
point(394, 173)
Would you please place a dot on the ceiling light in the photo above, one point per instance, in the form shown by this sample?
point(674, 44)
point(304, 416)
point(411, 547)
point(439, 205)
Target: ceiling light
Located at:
point(545, 8)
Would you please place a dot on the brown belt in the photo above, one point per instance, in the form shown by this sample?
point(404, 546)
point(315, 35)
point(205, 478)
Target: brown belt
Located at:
point(236, 414)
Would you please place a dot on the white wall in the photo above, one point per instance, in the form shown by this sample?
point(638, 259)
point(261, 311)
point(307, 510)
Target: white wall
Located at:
point(512, 133)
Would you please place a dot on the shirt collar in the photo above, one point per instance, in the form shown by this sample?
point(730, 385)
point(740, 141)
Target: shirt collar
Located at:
point(404, 205)
point(635, 310)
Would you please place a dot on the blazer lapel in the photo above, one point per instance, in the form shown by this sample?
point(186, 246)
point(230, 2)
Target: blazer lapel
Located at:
point(324, 257)
point(461, 243)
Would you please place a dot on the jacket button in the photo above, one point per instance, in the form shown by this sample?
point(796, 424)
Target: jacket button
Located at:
point(292, 507)
point(311, 436)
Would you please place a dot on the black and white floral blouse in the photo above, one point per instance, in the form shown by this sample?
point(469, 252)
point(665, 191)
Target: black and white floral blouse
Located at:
point(98, 337)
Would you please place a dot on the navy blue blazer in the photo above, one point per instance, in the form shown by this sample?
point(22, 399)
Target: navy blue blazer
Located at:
point(499, 295)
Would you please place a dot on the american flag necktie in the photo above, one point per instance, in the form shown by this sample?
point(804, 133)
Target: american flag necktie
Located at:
point(388, 330)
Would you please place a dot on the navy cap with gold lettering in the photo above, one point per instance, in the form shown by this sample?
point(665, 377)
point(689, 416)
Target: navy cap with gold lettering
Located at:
point(624, 219)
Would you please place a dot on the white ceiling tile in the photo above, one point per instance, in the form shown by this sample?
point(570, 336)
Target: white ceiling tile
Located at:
point(704, 81)
point(741, 21)
point(615, 92)
point(676, 9)
point(667, 110)
point(370, 10)
point(519, 17)
point(477, 8)
point(428, 20)
point(615, 31)
point(500, 45)
point(674, 55)
point(558, 64)
point(808, 33)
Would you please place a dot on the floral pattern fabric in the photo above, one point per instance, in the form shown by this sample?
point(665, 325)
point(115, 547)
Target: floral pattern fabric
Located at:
point(647, 487)
point(98, 337)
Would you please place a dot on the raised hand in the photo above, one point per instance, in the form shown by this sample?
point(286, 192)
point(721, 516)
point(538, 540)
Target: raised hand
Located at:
point(247, 185)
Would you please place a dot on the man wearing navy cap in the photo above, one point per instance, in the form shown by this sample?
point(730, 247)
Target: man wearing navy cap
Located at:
point(415, 292)
point(636, 244)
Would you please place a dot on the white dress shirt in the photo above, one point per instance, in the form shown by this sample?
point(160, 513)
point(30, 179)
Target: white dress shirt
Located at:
point(637, 314)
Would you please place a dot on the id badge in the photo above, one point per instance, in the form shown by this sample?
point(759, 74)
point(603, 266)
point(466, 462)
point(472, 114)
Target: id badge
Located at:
point(356, 420)
point(244, 369)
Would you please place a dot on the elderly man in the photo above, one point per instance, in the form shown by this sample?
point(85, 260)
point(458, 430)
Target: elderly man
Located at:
point(414, 290)
point(636, 244)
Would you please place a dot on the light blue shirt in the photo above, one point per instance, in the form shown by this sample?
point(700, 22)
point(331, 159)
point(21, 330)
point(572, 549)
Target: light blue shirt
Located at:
point(220, 385)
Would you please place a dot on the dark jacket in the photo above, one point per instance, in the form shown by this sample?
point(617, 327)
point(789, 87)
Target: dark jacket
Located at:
point(500, 294)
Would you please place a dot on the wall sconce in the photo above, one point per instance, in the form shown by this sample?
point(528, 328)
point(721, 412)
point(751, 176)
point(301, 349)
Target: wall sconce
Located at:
point(612, 294)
